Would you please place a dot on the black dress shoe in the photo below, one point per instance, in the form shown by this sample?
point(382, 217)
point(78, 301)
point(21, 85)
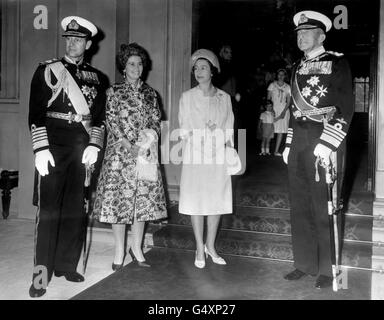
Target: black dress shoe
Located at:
point(36, 293)
point(323, 282)
point(117, 267)
point(295, 275)
point(139, 263)
point(70, 276)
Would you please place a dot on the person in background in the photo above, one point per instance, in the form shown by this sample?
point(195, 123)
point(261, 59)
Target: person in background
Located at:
point(266, 127)
point(205, 113)
point(227, 80)
point(130, 187)
point(66, 114)
point(280, 94)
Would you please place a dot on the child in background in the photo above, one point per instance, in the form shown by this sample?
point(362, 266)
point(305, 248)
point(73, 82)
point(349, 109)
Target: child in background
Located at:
point(266, 127)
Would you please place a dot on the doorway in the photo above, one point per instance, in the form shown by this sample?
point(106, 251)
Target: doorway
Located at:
point(260, 33)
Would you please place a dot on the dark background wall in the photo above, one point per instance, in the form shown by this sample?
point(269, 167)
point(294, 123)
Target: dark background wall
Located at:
point(259, 29)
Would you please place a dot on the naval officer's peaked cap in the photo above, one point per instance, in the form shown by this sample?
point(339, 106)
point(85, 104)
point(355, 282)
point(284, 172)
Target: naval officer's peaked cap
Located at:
point(74, 26)
point(311, 20)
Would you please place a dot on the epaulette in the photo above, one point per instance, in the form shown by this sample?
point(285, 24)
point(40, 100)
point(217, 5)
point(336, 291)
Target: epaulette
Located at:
point(49, 61)
point(337, 54)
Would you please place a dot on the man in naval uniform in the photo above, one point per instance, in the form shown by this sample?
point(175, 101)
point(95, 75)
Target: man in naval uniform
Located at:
point(66, 119)
point(322, 110)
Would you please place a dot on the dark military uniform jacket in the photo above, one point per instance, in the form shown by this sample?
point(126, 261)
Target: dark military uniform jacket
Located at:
point(322, 93)
point(50, 95)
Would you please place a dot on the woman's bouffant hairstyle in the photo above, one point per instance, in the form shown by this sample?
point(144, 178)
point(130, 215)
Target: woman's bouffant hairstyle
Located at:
point(214, 70)
point(128, 50)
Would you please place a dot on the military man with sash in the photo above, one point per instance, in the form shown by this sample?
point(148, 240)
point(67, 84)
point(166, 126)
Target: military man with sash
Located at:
point(66, 119)
point(322, 109)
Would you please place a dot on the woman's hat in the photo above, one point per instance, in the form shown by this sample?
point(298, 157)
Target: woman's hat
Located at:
point(206, 54)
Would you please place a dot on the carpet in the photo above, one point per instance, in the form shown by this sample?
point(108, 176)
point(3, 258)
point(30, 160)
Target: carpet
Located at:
point(173, 276)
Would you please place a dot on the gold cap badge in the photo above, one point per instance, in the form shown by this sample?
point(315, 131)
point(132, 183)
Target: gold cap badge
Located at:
point(73, 25)
point(303, 18)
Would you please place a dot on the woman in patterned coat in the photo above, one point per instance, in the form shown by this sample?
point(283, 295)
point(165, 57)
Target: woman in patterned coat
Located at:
point(123, 196)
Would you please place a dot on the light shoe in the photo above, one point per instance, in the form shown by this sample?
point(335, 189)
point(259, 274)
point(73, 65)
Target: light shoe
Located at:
point(217, 260)
point(199, 263)
point(278, 154)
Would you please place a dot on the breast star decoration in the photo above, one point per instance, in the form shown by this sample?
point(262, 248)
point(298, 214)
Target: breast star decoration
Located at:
point(314, 91)
point(90, 93)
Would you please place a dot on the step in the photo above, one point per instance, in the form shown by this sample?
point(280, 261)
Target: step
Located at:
point(276, 221)
point(358, 203)
point(251, 244)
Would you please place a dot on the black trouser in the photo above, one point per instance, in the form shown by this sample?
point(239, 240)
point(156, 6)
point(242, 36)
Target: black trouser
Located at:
point(308, 202)
point(60, 220)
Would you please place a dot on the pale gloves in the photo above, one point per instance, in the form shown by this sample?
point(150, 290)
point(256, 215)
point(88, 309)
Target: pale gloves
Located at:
point(323, 152)
point(286, 154)
point(42, 158)
point(90, 155)
point(320, 151)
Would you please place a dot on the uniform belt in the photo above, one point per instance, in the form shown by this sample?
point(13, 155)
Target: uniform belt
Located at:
point(70, 117)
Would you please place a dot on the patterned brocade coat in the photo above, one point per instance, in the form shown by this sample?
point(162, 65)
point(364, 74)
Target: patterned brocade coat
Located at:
point(120, 195)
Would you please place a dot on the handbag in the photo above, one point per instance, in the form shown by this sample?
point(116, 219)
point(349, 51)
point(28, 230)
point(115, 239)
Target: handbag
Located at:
point(146, 170)
point(147, 159)
point(232, 161)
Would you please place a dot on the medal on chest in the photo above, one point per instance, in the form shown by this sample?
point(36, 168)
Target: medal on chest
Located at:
point(90, 77)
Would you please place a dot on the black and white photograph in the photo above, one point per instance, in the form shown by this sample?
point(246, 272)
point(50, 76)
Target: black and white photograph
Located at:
point(195, 155)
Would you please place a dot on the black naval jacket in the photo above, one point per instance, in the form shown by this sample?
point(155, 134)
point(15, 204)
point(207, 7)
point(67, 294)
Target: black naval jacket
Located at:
point(318, 83)
point(46, 131)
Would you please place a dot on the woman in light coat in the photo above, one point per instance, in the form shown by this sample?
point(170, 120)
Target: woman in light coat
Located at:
point(206, 123)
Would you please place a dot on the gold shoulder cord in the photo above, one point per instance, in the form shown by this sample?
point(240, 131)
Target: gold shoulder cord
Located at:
point(56, 89)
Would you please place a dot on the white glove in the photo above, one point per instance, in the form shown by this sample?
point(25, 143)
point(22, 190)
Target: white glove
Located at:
point(286, 154)
point(323, 152)
point(237, 97)
point(146, 137)
point(90, 155)
point(42, 158)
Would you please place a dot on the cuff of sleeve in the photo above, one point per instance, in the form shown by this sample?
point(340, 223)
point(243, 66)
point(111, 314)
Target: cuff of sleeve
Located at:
point(332, 136)
point(288, 140)
point(97, 137)
point(39, 138)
